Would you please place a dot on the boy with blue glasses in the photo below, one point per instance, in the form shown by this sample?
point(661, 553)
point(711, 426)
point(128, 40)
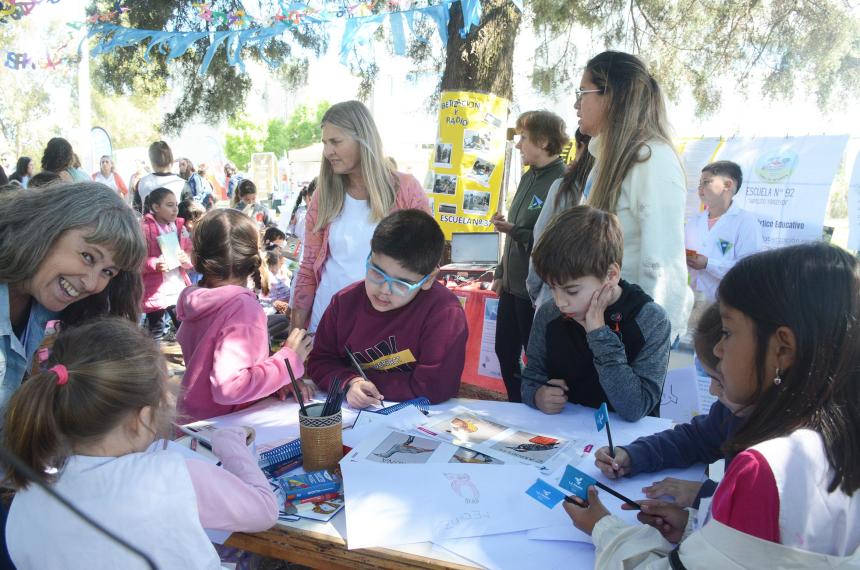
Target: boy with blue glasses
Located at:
point(406, 330)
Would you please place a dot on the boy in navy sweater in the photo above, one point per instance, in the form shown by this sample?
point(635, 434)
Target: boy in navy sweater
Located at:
point(699, 441)
point(407, 331)
point(603, 339)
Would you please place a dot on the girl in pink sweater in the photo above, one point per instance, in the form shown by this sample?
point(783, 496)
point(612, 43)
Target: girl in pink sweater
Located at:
point(224, 338)
point(95, 413)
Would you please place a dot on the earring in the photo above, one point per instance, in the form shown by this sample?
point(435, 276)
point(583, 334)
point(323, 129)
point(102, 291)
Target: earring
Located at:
point(777, 379)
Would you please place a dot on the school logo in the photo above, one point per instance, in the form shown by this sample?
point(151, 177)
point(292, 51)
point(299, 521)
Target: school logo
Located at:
point(725, 246)
point(776, 166)
point(536, 204)
point(384, 357)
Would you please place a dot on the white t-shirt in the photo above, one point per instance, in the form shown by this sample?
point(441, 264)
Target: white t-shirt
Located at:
point(109, 180)
point(348, 246)
point(158, 180)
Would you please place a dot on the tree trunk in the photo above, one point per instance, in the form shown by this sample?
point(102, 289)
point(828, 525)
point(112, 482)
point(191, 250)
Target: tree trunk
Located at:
point(484, 61)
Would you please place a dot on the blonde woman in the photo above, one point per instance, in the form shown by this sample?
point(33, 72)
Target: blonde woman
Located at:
point(638, 176)
point(356, 189)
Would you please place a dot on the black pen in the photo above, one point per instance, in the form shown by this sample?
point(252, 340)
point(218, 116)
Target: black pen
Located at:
point(360, 371)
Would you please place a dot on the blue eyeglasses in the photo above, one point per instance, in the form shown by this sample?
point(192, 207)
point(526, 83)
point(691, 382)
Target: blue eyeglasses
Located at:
point(395, 286)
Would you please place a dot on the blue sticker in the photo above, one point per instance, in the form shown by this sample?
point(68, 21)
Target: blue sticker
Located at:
point(545, 494)
point(536, 204)
point(576, 482)
point(601, 416)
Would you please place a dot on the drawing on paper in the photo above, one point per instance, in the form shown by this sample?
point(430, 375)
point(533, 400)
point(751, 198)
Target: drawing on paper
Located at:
point(463, 486)
point(529, 446)
point(402, 448)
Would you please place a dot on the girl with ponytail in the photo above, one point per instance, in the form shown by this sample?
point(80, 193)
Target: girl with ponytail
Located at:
point(87, 424)
point(224, 336)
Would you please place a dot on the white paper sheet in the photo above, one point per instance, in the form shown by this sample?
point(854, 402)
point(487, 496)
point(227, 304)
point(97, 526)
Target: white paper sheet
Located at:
point(401, 504)
point(514, 551)
point(680, 400)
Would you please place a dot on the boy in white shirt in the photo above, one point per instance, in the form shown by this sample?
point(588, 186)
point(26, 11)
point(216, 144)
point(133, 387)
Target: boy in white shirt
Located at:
point(722, 234)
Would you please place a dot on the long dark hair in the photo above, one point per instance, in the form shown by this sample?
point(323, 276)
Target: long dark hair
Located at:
point(573, 184)
point(58, 155)
point(814, 290)
point(21, 169)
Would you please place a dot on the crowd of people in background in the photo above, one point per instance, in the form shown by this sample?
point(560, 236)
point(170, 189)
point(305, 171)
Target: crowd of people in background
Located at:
point(599, 279)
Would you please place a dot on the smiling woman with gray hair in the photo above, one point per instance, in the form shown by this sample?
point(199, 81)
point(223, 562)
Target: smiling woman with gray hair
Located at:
point(356, 189)
point(67, 252)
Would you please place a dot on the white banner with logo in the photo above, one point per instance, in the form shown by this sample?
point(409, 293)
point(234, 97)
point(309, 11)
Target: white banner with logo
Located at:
point(786, 183)
point(854, 206)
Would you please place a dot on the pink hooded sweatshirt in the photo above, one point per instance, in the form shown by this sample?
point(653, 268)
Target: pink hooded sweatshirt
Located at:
point(225, 344)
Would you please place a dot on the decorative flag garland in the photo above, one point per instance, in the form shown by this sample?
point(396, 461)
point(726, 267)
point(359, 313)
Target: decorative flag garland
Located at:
point(246, 31)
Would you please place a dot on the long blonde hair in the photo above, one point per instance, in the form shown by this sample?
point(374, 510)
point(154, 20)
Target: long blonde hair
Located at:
point(354, 119)
point(635, 115)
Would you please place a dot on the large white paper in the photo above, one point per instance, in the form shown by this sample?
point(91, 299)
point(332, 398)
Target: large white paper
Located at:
point(680, 400)
point(515, 551)
point(400, 504)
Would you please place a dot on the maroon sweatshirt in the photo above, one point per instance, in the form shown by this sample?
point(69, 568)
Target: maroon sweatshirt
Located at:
point(416, 350)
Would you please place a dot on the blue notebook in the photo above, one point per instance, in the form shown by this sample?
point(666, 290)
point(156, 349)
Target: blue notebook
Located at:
point(282, 454)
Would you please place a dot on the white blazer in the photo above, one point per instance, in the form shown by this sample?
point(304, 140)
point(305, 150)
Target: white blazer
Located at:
point(736, 235)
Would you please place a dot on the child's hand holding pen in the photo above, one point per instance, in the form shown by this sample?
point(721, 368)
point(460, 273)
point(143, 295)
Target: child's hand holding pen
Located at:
point(362, 393)
point(613, 468)
point(551, 398)
point(301, 341)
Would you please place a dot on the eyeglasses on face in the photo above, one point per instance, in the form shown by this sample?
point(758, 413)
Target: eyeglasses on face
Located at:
point(581, 92)
point(395, 286)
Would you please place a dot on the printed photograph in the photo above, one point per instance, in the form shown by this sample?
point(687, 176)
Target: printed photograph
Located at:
point(432, 201)
point(476, 141)
point(447, 209)
point(445, 184)
point(443, 154)
point(465, 455)
point(534, 448)
point(493, 120)
point(469, 428)
point(476, 202)
point(481, 171)
point(403, 448)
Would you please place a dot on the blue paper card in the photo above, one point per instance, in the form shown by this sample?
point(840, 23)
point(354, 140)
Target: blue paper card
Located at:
point(576, 482)
point(601, 416)
point(545, 494)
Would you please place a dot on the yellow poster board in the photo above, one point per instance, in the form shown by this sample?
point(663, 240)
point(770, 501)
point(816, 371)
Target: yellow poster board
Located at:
point(468, 162)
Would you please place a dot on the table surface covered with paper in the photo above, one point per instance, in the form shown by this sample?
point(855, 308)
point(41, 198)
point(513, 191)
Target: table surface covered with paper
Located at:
point(472, 482)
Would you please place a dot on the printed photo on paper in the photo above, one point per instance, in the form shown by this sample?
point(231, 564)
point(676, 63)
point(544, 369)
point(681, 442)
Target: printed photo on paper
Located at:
point(477, 141)
point(469, 428)
point(443, 154)
point(532, 447)
point(445, 184)
point(447, 209)
point(481, 171)
point(476, 202)
point(403, 448)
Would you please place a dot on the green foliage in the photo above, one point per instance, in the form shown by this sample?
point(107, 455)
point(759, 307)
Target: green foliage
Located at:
point(131, 121)
point(710, 46)
point(243, 139)
point(222, 92)
point(302, 129)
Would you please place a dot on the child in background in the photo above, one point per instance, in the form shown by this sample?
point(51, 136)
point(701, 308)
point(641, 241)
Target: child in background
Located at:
point(603, 339)
point(248, 205)
point(224, 336)
point(699, 441)
point(407, 331)
point(191, 211)
point(790, 348)
point(273, 237)
point(92, 417)
point(723, 233)
point(162, 283)
point(279, 290)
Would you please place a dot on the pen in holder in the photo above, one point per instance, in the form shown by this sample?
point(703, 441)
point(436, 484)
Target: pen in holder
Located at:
point(322, 438)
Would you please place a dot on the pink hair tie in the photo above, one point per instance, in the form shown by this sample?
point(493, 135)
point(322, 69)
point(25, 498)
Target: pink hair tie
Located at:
point(61, 372)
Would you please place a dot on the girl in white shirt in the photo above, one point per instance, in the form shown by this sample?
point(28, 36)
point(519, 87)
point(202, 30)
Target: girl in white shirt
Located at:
point(86, 424)
point(638, 176)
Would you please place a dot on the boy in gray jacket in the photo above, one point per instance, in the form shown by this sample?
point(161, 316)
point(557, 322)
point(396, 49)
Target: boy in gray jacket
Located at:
point(603, 339)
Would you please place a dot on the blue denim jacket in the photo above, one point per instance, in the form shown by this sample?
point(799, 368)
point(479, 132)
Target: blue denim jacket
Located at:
point(16, 355)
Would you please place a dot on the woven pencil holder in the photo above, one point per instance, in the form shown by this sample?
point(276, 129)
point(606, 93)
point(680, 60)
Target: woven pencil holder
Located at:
point(322, 439)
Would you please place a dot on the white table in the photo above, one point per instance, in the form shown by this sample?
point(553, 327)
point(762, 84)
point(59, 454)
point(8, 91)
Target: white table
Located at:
point(323, 544)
